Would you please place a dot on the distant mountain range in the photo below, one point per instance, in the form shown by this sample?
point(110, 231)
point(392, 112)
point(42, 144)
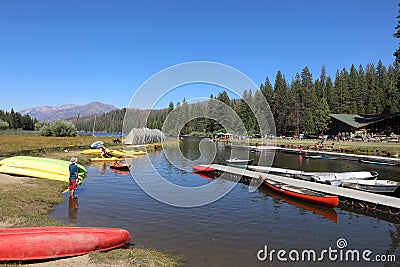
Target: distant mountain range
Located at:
point(51, 113)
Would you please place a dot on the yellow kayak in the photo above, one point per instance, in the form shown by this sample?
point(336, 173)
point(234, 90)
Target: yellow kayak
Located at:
point(33, 173)
point(117, 153)
point(105, 159)
point(126, 153)
point(96, 151)
point(48, 168)
point(42, 164)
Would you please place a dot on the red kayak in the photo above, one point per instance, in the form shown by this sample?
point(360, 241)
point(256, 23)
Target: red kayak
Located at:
point(202, 169)
point(120, 166)
point(31, 243)
point(302, 194)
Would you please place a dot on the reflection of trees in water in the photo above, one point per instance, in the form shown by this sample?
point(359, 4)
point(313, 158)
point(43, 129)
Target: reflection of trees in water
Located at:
point(395, 238)
point(73, 210)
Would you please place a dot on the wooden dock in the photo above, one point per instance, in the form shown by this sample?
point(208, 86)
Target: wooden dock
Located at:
point(355, 157)
point(343, 193)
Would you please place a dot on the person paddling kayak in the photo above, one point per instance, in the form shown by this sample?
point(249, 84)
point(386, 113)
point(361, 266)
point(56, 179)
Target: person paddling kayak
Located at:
point(104, 153)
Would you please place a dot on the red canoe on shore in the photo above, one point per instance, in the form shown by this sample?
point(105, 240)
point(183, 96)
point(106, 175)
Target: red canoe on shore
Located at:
point(33, 243)
point(202, 169)
point(302, 194)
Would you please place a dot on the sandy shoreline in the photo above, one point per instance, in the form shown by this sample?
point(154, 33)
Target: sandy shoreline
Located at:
point(9, 179)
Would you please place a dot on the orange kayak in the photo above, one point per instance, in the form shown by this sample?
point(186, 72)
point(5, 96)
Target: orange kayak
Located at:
point(120, 166)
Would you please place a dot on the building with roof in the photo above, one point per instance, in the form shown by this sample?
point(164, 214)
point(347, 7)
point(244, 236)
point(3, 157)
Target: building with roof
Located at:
point(350, 123)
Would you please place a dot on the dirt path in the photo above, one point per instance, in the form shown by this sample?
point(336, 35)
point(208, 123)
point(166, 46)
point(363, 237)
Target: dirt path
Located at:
point(8, 179)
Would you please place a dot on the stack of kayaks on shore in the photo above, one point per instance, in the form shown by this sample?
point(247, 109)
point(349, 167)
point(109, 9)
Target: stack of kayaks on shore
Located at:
point(46, 168)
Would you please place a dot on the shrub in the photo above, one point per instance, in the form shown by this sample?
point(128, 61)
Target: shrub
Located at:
point(3, 125)
point(58, 128)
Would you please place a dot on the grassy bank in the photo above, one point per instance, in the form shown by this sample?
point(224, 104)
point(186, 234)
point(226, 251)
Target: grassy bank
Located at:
point(13, 145)
point(136, 257)
point(28, 201)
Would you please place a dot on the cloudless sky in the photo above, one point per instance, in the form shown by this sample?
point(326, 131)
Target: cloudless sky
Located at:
point(55, 52)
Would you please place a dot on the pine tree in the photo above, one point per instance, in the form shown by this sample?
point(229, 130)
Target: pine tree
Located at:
point(268, 91)
point(396, 54)
point(329, 92)
point(320, 84)
point(170, 107)
point(355, 91)
point(323, 81)
point(11, 120)
point(296, 98)
point(211, 126)
point(308, 102)
point(245, 113)
point(393, 92)
point(322, 118)
point(362, 108)
point(279, 108)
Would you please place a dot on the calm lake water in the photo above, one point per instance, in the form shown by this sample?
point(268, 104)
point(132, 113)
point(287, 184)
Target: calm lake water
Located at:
point(231, 230)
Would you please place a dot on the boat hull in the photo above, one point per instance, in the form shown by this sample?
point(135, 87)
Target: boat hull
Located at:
point(97, 144)
point(375, 186)
point(239, 161)
point(202, 169)
point(12, 170)
point(33, 243)
point(42, 164)
point(378, 162)
point(96, 151)
point(325, 200)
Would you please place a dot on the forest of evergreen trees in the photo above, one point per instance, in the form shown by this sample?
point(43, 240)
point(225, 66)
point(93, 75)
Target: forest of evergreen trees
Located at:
point(14, 120)
point(302, 105)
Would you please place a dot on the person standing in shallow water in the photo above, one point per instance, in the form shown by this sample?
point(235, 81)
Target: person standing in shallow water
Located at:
point(73, 177)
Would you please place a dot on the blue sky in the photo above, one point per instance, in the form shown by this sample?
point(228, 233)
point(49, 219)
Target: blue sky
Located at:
point(62, 52)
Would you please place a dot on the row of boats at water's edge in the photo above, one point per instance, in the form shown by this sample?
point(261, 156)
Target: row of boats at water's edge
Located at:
point(361, 180)
point(364, 180)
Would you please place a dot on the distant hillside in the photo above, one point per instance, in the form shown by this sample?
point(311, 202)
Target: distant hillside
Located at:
point(113, 121)
point(51, 113)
